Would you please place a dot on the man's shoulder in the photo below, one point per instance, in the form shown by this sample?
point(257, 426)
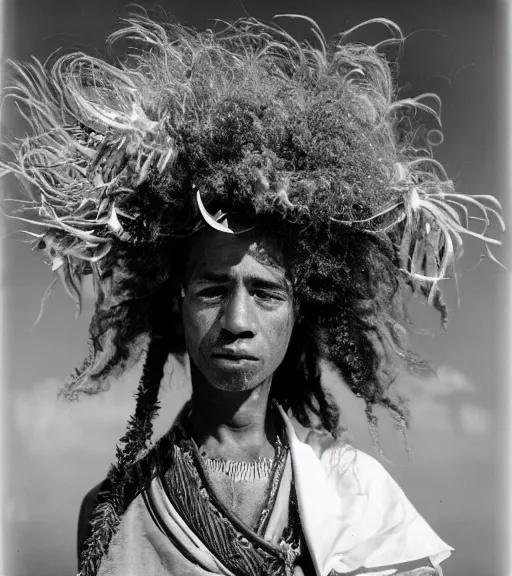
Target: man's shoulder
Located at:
point(349, 465)
point(339, 450)
point(384, 524)
point(92, 496)
point(86, 510)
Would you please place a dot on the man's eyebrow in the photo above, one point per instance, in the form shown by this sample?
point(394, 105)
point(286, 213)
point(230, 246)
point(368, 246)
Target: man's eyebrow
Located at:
point(210, 276)
point(267, 283)
point(223, 278)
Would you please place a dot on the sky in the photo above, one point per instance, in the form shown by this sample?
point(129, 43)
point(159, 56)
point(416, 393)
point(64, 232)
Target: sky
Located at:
point(56, 451)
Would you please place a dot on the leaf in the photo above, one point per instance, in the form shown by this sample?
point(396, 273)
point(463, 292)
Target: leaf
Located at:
point(493, 258)
point(57, 262)
point(113, 222)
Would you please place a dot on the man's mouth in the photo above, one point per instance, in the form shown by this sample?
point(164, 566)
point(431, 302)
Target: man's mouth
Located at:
point(234, 355)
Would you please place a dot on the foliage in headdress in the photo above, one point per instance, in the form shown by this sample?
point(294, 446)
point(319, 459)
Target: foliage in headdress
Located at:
point(254, 120)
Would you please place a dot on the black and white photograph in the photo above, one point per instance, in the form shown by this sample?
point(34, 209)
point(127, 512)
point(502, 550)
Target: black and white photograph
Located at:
point(255, 288)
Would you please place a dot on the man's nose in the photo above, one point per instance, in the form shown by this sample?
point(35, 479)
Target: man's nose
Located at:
point(238, 315)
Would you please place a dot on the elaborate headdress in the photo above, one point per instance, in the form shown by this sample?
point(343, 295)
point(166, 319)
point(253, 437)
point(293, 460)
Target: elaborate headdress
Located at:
point(127, 160)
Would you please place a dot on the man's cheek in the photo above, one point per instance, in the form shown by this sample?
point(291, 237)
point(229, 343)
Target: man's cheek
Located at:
point(283, 333)
point(194, 323)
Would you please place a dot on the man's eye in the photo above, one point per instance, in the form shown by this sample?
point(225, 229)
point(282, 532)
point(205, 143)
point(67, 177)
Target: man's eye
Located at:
point(265, 295)
point(211, 292)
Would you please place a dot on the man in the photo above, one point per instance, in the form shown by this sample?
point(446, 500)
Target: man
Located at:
point(258, 205)
point(238, 317)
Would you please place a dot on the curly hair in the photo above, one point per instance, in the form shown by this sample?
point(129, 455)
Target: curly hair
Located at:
point(307, 141)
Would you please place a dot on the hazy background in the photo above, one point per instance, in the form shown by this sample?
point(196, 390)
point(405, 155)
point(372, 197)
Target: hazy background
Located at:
point(57, 451)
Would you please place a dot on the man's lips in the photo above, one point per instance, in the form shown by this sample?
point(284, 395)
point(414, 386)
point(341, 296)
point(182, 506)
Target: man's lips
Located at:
point(233, 355)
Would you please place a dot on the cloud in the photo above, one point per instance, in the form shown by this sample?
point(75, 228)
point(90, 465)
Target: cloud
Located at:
point(474, 420)
point(447, 421)
point(60, 450)
point(445, 382)
point(446, 401)
point(51, 426)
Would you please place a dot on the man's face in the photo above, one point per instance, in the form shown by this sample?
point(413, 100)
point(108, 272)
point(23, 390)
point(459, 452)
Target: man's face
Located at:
point(237, 310)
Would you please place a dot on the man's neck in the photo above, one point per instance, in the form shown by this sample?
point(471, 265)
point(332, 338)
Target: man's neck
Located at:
point(232, 425)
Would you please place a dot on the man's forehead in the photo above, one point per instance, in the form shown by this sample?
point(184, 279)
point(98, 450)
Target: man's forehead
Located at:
point(249, 265)
point(213, 244)
point(216, 254)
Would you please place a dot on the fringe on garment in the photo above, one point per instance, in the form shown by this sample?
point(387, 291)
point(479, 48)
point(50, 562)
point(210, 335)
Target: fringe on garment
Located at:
point(241, 471)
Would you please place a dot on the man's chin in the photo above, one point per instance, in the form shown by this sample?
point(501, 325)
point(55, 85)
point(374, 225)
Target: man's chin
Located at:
point(233, 382)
